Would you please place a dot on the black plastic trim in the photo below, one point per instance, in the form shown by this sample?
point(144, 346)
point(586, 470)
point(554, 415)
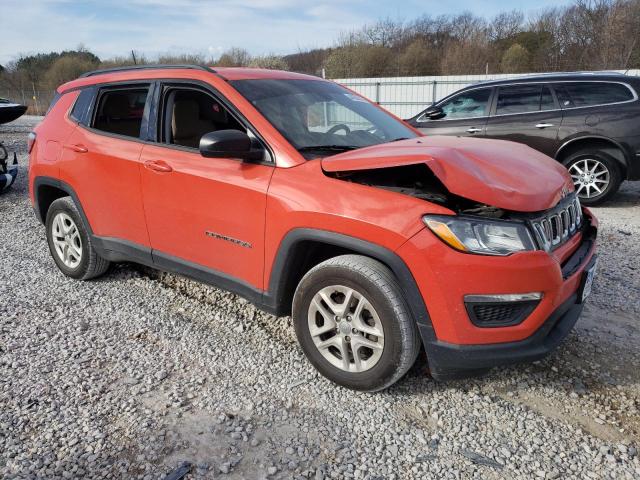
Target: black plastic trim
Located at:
point(575, 261)
point(283, 264)
point(61, 185)
point(118, 250)
point(197, 272)
point(525, 308)
point(447, 360)
point(147, 67)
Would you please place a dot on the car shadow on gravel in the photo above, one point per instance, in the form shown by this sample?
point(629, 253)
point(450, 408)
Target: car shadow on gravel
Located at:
point(590, 383)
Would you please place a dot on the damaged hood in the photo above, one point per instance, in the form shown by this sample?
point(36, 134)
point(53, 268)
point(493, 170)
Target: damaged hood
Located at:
point(506, 175)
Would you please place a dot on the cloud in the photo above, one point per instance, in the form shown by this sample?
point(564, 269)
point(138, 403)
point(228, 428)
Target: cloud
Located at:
point(154, 27)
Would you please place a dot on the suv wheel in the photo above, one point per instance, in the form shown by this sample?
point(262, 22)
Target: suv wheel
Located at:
point(595, 174)
point(353, 324)
point(69, 242)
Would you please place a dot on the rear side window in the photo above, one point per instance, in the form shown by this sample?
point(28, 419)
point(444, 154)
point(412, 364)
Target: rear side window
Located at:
point(584, 94)
point(120, 111)
point(524, 99)
point(80, 110)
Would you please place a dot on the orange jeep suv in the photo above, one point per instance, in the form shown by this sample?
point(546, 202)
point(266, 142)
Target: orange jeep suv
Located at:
point(310, 201)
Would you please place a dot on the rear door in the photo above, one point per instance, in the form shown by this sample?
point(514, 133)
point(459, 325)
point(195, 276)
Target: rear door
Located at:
point(101, 160)
point(465, 114)
point(526, 113)
point(206, 214)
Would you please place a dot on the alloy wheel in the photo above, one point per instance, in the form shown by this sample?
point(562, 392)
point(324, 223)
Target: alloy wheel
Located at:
point(591, 177)
point(66, 240)
point(346, 329)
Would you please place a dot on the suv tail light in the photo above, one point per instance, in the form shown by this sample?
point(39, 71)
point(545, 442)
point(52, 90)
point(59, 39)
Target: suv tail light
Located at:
point(31, 140)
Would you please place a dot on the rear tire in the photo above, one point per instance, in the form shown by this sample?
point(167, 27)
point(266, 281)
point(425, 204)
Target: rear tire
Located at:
point(374, 328)
point(70, 244)
point(593, 170)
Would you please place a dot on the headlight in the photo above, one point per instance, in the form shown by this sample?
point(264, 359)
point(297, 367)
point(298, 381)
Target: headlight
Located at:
point(486, 237)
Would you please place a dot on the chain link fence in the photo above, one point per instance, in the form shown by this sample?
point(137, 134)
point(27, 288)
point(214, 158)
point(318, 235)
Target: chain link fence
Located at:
point(407, 96)
point(37, 101)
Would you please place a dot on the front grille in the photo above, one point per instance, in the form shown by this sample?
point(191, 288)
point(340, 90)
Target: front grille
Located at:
point(558, 224)
point(499, 314)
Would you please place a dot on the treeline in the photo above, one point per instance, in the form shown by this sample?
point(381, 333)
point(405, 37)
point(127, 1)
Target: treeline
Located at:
point(46, 71)
point(586, 35)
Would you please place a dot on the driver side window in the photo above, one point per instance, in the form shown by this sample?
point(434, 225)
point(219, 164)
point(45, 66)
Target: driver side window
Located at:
point(323, 117)
point(470, 104)
point(190, 113)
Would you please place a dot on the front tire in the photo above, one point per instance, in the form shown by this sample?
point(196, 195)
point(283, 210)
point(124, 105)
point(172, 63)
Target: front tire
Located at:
point(70, 244)
point(353, 324)
point(595, 174)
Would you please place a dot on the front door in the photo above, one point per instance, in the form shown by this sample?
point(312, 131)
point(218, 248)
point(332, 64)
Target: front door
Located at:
point(207, 214)
point(526, 114)
point(463, 115)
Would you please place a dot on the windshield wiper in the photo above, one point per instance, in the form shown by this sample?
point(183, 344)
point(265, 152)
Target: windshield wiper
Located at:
point(327, 148)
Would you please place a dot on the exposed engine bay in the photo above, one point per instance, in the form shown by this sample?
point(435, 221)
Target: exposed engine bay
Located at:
point(418, 181)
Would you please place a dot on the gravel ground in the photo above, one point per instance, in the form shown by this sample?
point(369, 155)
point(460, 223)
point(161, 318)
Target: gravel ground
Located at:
point(133, 374)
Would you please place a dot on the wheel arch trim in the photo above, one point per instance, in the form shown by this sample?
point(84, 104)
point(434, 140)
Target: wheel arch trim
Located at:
point(41, 181)
point(284, 258)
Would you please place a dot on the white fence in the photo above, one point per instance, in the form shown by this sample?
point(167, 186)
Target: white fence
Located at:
point(406, 96)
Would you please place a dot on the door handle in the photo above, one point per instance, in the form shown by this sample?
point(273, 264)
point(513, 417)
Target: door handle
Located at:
point(158, 166)
point(544, 125)
point(77, 148)
point(473, 130)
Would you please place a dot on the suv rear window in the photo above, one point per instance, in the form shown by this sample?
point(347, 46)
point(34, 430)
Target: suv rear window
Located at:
point(120, 111)
point(524, 99)
point(584, 94)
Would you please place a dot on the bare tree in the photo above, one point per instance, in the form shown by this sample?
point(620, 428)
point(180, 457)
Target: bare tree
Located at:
point(234, 57)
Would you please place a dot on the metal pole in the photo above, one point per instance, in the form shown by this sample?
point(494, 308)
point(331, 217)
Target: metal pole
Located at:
point(433, 91)
point(35, 98)
point(378, 93)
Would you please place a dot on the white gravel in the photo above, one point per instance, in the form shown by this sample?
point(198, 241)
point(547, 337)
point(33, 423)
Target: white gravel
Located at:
point(133, 374)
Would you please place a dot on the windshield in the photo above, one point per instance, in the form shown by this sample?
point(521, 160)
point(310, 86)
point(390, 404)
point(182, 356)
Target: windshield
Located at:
point(321, 118)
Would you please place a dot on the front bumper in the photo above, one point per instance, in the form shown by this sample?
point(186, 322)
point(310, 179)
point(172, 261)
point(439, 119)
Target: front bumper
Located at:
point(456, 347)
point(448, 361)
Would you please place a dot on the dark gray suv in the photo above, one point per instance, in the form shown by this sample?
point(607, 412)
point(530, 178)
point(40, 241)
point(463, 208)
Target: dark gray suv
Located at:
point(589, 122)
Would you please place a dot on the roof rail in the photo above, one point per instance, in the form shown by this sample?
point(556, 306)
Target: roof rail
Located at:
point(146, 67)
point(577, 72)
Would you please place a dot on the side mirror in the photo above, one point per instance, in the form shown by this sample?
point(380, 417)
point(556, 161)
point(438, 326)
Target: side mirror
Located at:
point(433, 113)
point(228, 144)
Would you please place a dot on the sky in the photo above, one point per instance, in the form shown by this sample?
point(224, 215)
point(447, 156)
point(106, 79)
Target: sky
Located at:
point(114, 27)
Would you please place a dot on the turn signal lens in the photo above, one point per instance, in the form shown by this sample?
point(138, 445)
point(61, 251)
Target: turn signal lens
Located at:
point(445, 234)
